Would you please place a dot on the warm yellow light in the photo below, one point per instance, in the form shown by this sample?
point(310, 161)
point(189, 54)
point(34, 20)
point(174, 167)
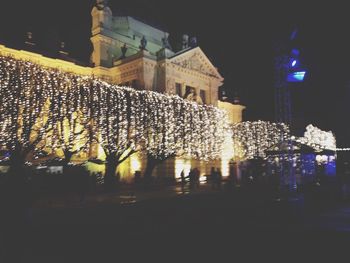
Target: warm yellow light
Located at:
point(45, 61)
point(95, 168)
point(135, 163)
point(227, 155)
point(100, 152)
point(225, 168)
point(228, 150)
point(182, 165)
point(202, 179)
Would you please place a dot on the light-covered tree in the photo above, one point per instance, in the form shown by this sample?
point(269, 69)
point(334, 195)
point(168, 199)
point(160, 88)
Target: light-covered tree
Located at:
point(118, 131)
point(318, 139)
point(48, 109)
point(252, 139)
point(26, 111)
point(72, 121)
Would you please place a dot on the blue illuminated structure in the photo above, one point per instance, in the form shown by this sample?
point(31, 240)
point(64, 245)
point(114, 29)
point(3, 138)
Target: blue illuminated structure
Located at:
point(330, 168)
point(295, 73)
point(288, 71)
point(297, 76)
point(305, 168)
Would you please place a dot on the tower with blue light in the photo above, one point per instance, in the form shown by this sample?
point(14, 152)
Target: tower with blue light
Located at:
point(295, 71)
point(288, 71)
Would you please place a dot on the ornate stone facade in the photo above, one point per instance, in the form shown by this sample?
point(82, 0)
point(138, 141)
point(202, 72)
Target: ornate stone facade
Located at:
point(120, 57)
point(134, 52)
point(139, 55)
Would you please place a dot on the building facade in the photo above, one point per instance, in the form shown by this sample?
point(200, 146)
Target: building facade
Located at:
point(128, 52)
point(140, 56)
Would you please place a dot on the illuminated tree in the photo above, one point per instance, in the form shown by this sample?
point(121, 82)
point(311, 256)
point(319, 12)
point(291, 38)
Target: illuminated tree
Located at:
point(71, 133)
point(160, 130)
point(118, 131)
point(177, 127)
point(26, 109)
point(252, 139)
point(48, 109)
point(318, 139)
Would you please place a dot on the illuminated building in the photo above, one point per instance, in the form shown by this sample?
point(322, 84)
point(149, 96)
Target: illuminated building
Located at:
point(128, 52)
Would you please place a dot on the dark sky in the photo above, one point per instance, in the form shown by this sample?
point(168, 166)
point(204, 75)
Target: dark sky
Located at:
point(238, 36)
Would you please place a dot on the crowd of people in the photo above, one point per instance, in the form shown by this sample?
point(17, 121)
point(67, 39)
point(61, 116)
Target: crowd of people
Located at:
point(193, 178)
point(77, 181)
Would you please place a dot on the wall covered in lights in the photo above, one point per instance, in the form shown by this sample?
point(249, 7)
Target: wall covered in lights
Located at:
point(77, 113)
point(252, 139)
point(47, 109)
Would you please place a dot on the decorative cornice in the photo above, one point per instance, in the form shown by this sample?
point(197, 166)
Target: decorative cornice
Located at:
point(196, 60)
point(192, 72)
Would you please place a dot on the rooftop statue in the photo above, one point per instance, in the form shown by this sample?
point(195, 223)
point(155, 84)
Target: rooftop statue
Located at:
point(165, 42)
point(184, 41)
point(101, 4)
point(123, 49)
point(193, 42)
point(143, 43)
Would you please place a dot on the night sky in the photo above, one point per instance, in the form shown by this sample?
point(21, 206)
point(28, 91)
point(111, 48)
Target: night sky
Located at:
point(239, 38)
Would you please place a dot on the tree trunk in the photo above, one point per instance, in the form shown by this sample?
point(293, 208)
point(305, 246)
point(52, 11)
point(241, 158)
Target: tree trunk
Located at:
point(67, 158)
point(17, 191)
point(151, 164)
point(110, 169)
point(17, 163)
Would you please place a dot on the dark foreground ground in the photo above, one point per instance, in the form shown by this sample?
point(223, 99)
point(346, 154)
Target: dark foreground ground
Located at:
point(219, 226)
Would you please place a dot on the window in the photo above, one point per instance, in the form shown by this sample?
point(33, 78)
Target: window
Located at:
point(190, 93)
point(202, 95)
point(178, 89)
point(134, 84)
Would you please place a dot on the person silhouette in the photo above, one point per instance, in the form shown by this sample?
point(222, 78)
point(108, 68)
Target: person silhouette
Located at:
point(183, 180)
point(218, 178)
point(196, 177)
point(182, 176)
point(213, 177)
point(191, 176)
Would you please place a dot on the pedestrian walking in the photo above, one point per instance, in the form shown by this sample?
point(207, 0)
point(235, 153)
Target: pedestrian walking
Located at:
point(183, 179)
point(213, 177)
point(218, 178)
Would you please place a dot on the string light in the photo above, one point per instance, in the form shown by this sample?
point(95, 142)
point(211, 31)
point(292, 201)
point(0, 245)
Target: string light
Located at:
point(343, 149)
point(252, 139)
point(68, 111)
point(318, 139)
